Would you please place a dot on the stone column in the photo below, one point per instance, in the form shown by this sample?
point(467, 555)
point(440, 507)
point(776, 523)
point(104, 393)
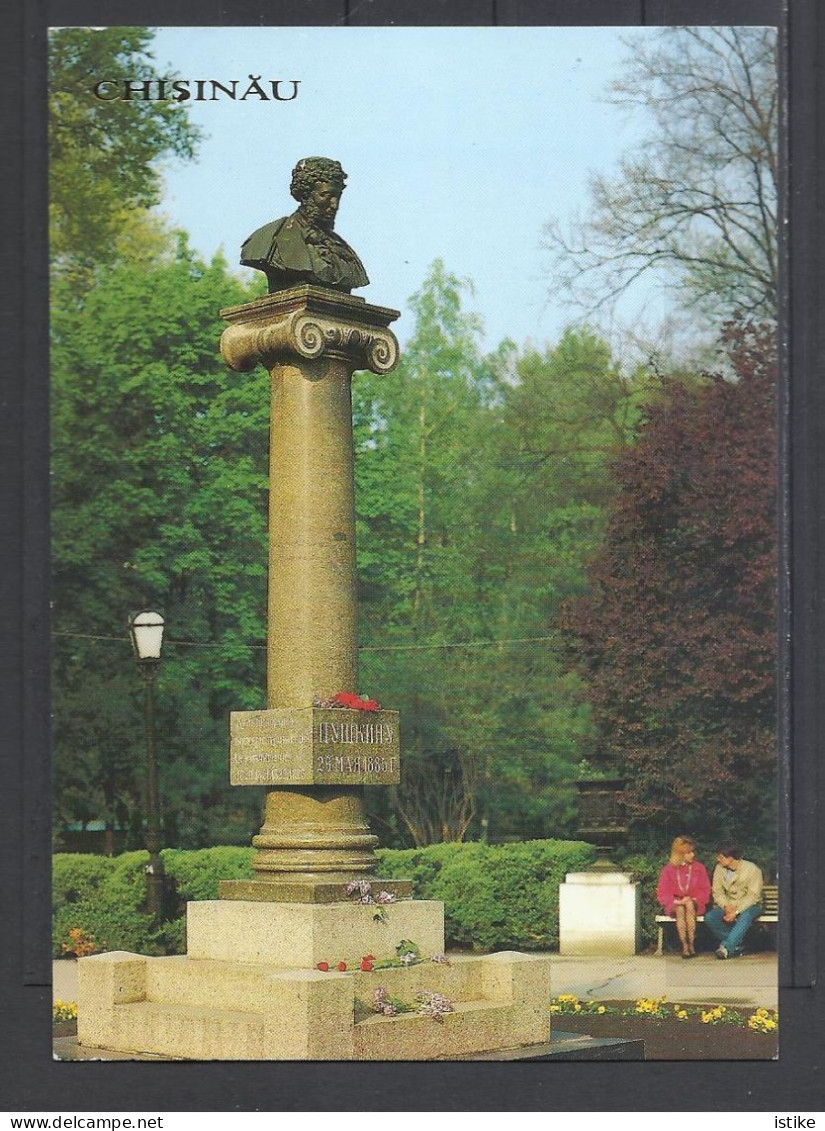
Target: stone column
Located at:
point(312, 340)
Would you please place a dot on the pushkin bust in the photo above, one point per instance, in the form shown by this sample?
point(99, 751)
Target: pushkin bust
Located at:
point(303, 248)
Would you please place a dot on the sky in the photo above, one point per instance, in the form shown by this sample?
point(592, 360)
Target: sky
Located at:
point(458, 143)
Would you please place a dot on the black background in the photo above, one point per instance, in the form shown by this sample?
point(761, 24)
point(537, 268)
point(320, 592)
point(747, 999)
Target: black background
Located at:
point(29, 1079)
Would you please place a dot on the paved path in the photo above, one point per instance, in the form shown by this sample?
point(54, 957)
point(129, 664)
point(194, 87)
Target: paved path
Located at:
point(748, 981)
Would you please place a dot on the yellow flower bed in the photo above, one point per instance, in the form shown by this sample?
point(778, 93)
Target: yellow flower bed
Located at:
point(64, 1011)
point(652, 1007)
point(764, 1021)
point(657, 1009)
point(570, 1004)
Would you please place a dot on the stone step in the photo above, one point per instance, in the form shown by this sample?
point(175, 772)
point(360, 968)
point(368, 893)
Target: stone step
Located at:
point(246, 987)
point(298, 935)
point(205, 1009)
point(474, 1027)
point(249, 986)
point(461, 980)
point(188, 1032)
point(185, 1032)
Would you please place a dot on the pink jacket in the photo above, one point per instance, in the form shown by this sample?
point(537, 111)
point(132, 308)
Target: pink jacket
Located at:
point(686, 879)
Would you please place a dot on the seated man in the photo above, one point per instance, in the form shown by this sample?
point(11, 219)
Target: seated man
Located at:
point(737, 892)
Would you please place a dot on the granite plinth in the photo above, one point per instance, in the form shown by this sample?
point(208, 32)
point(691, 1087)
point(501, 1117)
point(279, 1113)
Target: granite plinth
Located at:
point(304, 934)
point(203, 1009)
point(314, 746)
point(599, 913)
point(309, 890)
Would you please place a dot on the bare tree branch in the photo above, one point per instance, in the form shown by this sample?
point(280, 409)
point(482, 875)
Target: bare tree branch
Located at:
point(698, 200)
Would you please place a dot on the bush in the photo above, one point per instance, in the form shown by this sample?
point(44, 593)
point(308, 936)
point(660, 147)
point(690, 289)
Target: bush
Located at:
point(197, 873)
point(76, 878)
point(108, 926)
point(105, 897)
point(421, 865)
point(645, 871)
point(497, 897)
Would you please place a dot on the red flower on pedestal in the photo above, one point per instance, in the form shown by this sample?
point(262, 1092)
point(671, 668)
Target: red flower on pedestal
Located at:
point(355, 702)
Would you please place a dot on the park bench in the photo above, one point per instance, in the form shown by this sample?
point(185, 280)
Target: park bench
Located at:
point(770, 913)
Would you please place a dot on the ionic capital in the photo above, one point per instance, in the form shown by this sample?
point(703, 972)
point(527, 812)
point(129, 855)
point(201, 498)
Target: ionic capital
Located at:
point(307, 323)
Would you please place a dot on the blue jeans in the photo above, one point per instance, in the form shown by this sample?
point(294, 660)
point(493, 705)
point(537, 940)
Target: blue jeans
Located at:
point(730, 935)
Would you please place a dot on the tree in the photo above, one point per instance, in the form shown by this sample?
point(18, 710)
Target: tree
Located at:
point(480, 493)
point(677, 634)
point(103, 155)
point(159, 479)
point(418, 442)
point(698, 198)
point(564, 413)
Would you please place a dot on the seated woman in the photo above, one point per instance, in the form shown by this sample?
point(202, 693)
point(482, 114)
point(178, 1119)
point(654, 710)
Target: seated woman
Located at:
point(684, 891)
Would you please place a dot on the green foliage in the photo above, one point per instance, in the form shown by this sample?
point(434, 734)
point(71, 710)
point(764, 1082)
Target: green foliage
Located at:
point(105, 901)
point(421, 865)
point(103, 155)
point(496, 897)
point(196, 874)
point(77, 878)
point(480, 494)
point(105, 896)
point(112, 926)
point(159, 500)
point(645, 871)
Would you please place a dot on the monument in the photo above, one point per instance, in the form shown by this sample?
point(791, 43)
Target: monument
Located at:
point(315, 958)
point(600, 908)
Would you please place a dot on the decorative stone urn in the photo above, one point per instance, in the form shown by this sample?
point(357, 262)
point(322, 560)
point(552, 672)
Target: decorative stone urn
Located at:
point(602, 819)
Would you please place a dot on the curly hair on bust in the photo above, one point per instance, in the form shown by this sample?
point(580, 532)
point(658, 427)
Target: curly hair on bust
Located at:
point(310, 170)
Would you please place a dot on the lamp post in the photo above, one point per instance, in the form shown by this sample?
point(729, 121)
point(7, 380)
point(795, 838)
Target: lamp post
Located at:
point(146, 631)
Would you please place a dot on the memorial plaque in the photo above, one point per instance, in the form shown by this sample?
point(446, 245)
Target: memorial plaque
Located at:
point(314, 746)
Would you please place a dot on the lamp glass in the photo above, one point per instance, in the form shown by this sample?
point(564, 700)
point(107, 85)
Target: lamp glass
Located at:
point(147, 635)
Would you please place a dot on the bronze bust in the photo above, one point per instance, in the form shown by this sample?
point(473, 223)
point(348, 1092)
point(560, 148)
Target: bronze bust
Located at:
point(303, 248)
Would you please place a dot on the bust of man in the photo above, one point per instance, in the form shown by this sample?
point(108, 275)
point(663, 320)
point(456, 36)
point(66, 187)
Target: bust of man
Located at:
point(303, 248)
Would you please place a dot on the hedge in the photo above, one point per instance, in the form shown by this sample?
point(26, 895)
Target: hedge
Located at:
point(104, 897)
point(496, 897)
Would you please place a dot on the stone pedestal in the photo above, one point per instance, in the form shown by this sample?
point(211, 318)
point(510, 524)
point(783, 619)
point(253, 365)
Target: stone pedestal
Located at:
point(300, 935)
point(249, 989)
point(599, 913)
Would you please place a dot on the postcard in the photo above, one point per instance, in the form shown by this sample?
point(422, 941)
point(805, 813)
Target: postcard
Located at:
point(414, 543)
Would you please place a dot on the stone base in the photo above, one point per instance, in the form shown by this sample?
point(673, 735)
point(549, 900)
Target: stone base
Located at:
point(248, 989)
point(562, 1046)
point(572, 1046)
point(300, 935)
point(191, 1009)
point(310, 890)
point(599, 913)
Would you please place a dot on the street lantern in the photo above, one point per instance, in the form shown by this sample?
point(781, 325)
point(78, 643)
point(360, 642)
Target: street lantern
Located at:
point(146, 632)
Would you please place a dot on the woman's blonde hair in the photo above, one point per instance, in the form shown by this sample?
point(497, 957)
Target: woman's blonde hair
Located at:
point(680, 847)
